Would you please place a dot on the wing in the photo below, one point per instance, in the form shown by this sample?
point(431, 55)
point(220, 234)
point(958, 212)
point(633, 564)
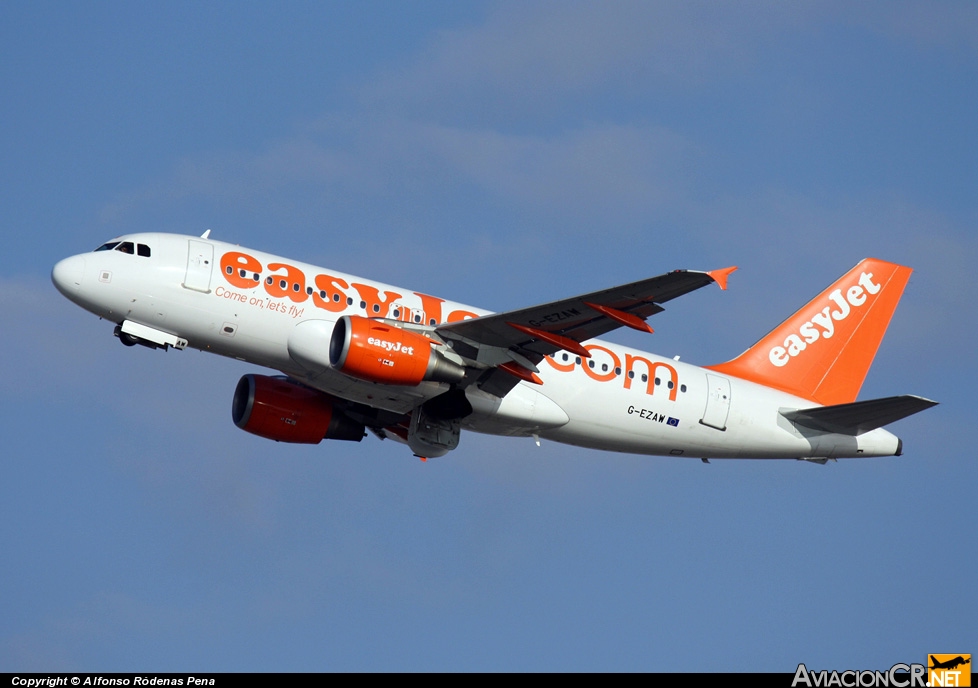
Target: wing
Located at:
point(509, 345)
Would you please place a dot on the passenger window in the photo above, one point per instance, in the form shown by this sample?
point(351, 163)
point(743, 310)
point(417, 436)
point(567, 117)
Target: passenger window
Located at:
point(143, 250)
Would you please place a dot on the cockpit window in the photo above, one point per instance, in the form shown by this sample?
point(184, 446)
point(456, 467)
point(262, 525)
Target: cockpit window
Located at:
point(126, 247)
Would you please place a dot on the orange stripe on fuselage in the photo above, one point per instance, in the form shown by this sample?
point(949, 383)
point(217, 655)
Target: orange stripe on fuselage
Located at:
point(244, 271)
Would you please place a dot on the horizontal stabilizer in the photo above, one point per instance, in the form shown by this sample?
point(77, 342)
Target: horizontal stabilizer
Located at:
point(860, 416)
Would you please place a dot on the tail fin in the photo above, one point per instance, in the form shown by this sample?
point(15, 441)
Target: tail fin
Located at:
point(824, 351)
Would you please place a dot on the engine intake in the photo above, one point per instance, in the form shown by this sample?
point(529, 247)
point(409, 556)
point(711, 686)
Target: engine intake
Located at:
point(281, 410)
point(374, 351)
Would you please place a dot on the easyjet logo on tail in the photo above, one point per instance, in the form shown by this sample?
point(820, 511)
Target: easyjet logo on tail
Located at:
point(824, 350)
point(822, 323)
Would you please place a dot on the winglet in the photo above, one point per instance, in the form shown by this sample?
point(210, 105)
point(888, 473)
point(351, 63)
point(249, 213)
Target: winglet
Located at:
point(720, 276)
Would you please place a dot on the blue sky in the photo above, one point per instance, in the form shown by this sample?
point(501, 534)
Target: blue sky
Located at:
point(501, 154)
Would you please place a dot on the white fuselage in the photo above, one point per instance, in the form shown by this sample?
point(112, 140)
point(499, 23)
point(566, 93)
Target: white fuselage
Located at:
point(620, 399)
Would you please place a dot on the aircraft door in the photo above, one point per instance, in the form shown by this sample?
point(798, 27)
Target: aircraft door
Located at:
point(717, 402)
point(200, 264)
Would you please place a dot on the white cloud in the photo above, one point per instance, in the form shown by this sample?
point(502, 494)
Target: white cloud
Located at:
point(536, 54)
point(240, 179)
point(395, 168)
point(577, 179)
point(598, 171)
point(396, 175)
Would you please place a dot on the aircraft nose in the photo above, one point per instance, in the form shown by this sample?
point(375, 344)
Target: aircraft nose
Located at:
point(67, 274)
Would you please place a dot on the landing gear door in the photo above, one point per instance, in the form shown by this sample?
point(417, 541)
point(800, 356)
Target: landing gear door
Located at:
point(717, 402)
point(200, 263)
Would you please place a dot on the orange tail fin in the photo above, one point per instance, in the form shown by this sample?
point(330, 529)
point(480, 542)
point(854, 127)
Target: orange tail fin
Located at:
point(824, 351)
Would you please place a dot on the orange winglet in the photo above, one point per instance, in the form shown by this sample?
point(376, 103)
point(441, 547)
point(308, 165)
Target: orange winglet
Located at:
point(521, 372)
point(621, 317)
point(557, 340)
point(720, 276)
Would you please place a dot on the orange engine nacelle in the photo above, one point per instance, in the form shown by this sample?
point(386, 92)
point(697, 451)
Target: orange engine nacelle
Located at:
point(370, 350)
point(280, 410)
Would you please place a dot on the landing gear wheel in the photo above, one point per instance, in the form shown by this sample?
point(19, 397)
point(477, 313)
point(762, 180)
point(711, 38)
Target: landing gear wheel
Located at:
point(126, 338)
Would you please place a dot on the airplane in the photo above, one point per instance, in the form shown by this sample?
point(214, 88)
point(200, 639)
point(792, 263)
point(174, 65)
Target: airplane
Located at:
point(356, 355)
point(949, 664)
